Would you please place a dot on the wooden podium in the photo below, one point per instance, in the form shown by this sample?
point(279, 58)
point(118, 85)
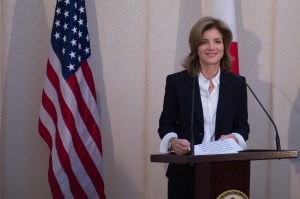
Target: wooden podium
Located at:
point(215, 174)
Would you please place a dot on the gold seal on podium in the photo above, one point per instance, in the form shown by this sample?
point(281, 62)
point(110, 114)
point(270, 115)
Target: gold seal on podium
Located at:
point(232, 194)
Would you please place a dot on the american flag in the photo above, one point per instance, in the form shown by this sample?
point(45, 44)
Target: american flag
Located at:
point(69, 118)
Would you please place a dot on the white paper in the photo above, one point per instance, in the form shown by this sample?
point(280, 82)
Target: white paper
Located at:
point(218, 147)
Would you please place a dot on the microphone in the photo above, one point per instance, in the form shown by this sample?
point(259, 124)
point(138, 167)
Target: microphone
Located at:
point(277, 135)
point(192, 118)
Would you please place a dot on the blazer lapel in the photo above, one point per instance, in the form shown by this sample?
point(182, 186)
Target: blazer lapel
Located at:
point(198, 111)
point(225, 93)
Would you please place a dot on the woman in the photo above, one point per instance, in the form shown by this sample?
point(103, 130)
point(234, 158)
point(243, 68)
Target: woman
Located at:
point(220, 102)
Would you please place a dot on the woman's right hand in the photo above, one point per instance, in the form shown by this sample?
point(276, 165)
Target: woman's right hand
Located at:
point(180, 146)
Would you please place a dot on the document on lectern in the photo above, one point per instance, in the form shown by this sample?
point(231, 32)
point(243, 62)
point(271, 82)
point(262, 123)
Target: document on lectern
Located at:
point(218, 147)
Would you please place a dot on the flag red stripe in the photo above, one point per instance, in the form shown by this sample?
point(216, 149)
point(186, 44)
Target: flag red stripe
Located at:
point(235, 57)
point(79, 146)
point(65, 162)
point(69, 117)
point(86, 115)
point(92, 127)
point(63, 156)
point(55, 188)
point(45, 133)
point(87, 73)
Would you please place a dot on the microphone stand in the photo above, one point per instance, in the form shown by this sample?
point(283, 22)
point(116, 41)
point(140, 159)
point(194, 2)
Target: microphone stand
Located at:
point(192, 119)
point(278, 147)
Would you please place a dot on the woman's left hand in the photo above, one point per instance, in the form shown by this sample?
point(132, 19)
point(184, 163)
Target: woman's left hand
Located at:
point(223, 137)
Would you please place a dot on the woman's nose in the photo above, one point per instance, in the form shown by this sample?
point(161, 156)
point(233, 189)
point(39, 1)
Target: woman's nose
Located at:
point(211, 45)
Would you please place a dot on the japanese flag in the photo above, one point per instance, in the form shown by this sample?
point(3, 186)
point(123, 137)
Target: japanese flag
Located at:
point(225, 10)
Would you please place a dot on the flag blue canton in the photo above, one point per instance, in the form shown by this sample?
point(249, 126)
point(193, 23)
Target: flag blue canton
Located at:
point(70, 38)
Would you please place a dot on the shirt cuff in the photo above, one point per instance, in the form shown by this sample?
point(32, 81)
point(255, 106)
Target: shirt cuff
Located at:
point(163, 148)
point(241, 140)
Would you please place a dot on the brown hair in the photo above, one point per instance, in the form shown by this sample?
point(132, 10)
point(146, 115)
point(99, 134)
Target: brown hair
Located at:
point(191, 62)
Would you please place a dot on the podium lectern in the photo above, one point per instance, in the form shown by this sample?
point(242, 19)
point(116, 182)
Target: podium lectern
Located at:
point(215, 174)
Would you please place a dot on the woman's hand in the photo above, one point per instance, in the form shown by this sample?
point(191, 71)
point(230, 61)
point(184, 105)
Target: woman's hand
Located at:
point(180, 146)
point(223, 137)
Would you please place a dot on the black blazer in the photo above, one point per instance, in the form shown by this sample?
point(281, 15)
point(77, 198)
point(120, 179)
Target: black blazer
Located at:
point(232, 112)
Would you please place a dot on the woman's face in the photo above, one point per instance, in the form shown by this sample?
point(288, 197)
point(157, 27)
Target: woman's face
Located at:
point(211, 48)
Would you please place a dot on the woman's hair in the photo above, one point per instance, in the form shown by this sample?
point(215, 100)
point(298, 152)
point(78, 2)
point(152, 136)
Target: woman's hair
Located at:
point(191, 62)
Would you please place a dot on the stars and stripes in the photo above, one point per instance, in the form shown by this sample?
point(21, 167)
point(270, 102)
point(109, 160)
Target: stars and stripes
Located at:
point(70, 39)
point(69, 118)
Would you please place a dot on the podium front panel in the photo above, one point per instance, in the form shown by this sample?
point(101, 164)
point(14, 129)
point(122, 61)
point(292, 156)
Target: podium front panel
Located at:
point(216, 174)
point(212, 179)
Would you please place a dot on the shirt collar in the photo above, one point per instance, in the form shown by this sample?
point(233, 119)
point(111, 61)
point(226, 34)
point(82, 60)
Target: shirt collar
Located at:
point(216, 79)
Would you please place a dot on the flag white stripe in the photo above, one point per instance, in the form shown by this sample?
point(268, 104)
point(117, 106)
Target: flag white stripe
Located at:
point(88, 96)
point(61, 176)
point(92, 106)
point(69, 116)
point(76, 164)
point(80, 125)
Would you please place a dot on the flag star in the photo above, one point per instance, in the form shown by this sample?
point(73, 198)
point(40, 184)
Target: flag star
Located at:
point(66, 26)
point(81, 9)
point(80, 21)
point(65, 38)
point(79, 34)
point(63, 50)
point(79, 46)
point(66, 14)
point(56, 35)
point(57, 23)
point(71, 67)
point(58, 11)
point(67, 2)
point(79, 59)
point(73, 42)
point(75, 17)
point(75, 4)
point(74, 30)
point(87, 50)
point(72, 54)
point(87, 38)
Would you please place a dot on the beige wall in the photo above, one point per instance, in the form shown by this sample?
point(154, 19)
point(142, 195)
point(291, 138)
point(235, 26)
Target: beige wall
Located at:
point(135, 44)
